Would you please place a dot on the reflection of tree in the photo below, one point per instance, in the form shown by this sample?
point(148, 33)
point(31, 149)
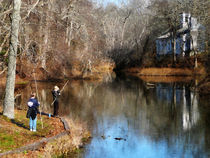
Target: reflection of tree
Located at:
point(175, 96)
point(78, 100)
point(43, 98)
point(164, 114)
point(204, 107)
point(44, 91)
point(124, 104)
point(190, 109)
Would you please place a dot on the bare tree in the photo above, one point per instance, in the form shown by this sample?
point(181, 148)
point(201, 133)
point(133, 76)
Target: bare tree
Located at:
point(10, 85)
point(78, 33)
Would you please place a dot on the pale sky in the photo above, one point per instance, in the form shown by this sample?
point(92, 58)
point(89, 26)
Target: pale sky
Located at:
point(118, 2)
point(105, 2)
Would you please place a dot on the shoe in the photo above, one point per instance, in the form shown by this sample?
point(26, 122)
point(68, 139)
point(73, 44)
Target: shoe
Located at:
point(34, 130)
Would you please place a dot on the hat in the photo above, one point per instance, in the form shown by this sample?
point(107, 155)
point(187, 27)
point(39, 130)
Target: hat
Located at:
point(56, 88)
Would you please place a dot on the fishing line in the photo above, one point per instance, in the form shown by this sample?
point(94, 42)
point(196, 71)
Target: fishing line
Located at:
point(38, 98)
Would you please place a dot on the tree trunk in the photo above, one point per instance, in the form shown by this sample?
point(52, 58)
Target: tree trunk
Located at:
point(174, 51)
point(10, 85)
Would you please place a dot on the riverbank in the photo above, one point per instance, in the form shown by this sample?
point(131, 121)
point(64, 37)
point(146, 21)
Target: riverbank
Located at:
point(15, 134)
point(204, 86)
point(167, 75)
point(153, 71)
point(18, 80)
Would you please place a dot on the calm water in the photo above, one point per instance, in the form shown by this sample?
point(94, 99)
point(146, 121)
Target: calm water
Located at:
point(130, 119)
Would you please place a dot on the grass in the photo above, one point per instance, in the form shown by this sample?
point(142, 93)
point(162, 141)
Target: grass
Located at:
point(74, 153)
point(22, 82)
point(15, 133)
point(85, 139)
point(6, 141)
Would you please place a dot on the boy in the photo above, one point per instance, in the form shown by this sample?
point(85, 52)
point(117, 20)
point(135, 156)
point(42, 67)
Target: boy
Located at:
point(33, 108)
point(56, 94)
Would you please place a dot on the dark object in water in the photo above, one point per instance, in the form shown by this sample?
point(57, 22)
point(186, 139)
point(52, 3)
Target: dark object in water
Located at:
point(120, 139)
point(103, 137)
point(81, 146)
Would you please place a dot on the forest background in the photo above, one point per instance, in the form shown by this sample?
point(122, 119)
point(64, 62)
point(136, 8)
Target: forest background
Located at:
point(80, 38)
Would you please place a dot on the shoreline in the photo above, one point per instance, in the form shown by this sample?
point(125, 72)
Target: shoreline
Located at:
point(154, 71)
point(64, 142)
point(168, 75)
point(148, 74)
point(135, 71)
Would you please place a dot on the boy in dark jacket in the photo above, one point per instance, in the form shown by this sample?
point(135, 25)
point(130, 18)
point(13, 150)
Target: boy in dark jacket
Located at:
point(33, 108)
point(56, 94)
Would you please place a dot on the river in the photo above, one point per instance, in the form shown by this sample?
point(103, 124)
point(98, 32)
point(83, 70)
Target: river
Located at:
point(129, 118)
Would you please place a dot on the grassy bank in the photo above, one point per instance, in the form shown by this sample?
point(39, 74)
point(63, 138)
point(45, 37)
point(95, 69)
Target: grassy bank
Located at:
point(15, 133)
point(165, 71)
point(168, 75)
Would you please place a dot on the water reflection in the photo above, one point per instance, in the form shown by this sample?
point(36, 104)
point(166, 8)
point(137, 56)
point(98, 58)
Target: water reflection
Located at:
point(165, 120)
point(180, 95)
point(159, 122)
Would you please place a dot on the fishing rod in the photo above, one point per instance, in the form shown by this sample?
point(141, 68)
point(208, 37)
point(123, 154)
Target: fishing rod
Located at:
point(60, 92)
point(38, 98)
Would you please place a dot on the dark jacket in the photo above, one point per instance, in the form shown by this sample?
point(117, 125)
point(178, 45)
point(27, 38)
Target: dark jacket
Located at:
point(33, 108)
point(56, 95)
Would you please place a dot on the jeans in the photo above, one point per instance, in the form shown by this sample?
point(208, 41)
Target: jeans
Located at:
point(32, 123)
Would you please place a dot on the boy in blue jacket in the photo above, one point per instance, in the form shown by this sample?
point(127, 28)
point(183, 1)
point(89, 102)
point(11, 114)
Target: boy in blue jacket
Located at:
point(33, 108)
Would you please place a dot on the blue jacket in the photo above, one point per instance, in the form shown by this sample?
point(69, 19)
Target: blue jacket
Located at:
point(33, 107)
point(33, 103)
